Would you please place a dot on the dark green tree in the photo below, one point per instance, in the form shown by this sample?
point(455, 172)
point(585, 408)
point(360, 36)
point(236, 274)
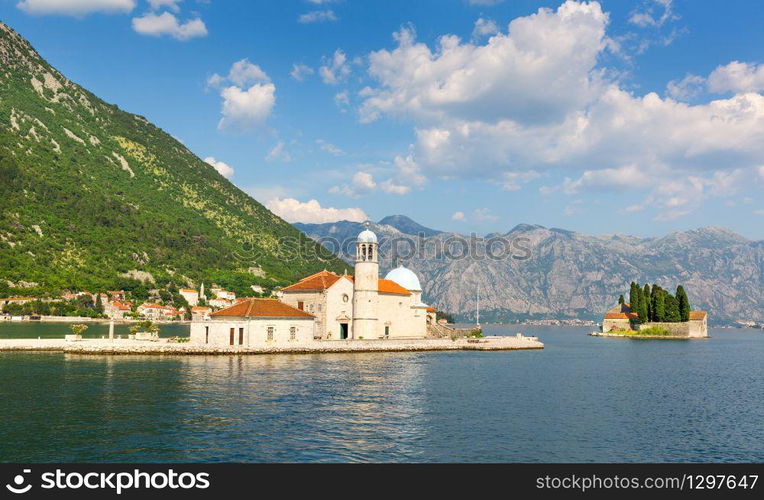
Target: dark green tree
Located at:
point(659, 309)
point(621, 300)
point(684, 304)
point(646, 303)
point(99, 304)
point(634, 297)
point(672, 309)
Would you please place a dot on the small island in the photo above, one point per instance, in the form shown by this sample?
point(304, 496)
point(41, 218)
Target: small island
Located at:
point(653, 312)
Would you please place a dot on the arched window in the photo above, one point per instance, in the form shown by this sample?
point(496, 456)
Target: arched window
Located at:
point(371, 252)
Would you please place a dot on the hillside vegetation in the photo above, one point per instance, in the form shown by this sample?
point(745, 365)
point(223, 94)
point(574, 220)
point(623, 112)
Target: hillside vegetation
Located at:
point(92, 197)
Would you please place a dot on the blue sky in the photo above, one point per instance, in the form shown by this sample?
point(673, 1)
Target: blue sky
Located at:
point(640, 117)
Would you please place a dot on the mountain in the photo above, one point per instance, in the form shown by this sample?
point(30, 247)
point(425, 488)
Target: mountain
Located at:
point(408, 226)
point(534, 272)
point(93, 197)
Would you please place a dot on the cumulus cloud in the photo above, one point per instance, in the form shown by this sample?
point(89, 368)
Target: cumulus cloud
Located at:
point(484, 27)
point(458, 216)
point(335, 68)
point(278, 153)
point(167, 24)
point(301, 71)
point(223, 168)
point(311, 212)
point(737, 77)
point(317, 16)
point(535, 98)
point(687, 88)
point(361, 183)
point(248, 96)
point(243, 109)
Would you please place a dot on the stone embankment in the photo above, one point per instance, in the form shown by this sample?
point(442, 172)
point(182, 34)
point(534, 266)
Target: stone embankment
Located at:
point(163, 346)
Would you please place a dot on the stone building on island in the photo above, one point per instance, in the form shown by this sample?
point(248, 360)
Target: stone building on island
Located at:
point(620, 317)
point(327, 306)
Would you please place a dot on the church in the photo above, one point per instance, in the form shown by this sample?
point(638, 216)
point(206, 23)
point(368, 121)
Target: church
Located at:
point(327, 306)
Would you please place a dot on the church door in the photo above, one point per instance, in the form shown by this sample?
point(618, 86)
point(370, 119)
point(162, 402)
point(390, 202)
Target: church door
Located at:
point(343, 331)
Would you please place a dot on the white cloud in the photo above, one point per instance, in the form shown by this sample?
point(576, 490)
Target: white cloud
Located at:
point(278, 153)
point(737, 77)
point(534, 98)
point(167, 24)
point(361, 183)
point(75, 7)
point(311, 212)
point(169, 4)
point(329, 147)
point(653, 13)
point(484, 27)
point(301, 71)
point(687, 88)
point(458, 216)
point(342, 100)
point(243, 109)
point(317, 16)
point(248, 95)
point(223, 168)
point(511, 181)
point(244, 73)
point(483, 215)
point(336, 69)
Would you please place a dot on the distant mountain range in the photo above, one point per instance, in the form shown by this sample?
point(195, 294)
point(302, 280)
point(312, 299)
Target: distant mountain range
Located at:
point(94, 198)
point(566, 274)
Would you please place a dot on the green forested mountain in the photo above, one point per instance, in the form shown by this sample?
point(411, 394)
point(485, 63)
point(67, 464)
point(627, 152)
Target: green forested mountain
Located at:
point(92, 197)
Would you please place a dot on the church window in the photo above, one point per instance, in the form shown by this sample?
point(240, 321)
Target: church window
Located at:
point(345, 297)
point(292, 333)
point(270, 332)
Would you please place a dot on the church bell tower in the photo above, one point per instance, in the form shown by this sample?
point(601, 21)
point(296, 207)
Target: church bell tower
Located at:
point(366, 286)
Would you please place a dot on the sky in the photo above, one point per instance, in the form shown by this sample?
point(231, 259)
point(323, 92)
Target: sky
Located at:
point(632, 116)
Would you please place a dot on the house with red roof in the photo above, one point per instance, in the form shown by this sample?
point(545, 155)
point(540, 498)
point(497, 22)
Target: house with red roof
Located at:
point(254, 322)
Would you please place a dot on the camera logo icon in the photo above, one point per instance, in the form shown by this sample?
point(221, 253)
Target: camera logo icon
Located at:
point(18, 486)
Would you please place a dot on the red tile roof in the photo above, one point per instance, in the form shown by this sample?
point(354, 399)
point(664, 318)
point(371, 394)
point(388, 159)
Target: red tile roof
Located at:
point(431, 310)
point(612, 315)
point(261, 308)
point(698, 315)
point(318, 281)
point(325, 279)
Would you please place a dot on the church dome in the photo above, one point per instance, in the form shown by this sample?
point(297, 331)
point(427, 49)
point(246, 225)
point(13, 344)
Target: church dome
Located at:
point(367, 236)
point(405, 277)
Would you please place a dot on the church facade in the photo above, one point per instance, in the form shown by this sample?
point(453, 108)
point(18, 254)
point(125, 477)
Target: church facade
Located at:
point(362, 306)
point(326, 306)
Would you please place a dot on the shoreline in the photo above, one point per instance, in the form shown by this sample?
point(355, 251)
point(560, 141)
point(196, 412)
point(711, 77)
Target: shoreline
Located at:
point(644, 337)
point(138, 347)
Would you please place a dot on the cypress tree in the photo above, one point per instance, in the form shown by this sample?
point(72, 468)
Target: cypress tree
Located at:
point(660, 306)
point(642, 307)
point(98, 304)
point(684, 304)
point(646, 303)
point(621, 300)
point(672, 309)
point(634, 297)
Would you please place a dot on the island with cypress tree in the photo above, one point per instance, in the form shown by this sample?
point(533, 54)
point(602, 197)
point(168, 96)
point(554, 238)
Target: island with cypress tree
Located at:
point(653, 312)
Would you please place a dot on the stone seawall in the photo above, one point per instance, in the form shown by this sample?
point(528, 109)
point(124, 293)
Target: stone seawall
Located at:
point(127, 347)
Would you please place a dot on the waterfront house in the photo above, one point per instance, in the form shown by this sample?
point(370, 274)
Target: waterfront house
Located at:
point(153, 311)
point(117, 310)
point(254, 322)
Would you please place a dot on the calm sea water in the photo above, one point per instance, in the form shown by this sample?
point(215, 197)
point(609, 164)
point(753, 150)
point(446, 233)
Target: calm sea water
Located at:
point(580, 399)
